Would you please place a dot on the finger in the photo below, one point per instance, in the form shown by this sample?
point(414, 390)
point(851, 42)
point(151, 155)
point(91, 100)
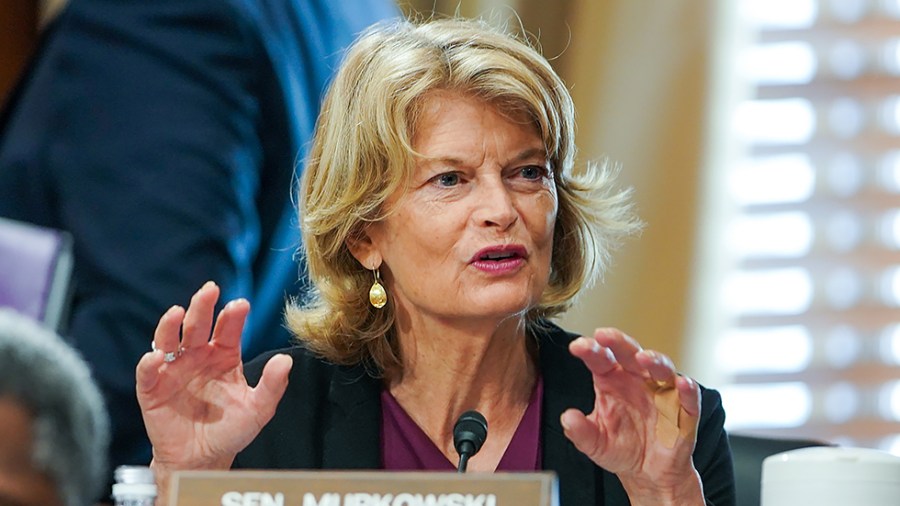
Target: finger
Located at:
point(147, 372)
point(689, 413)
point(598, 359)
point(583, 433)
point(623, 347)
point(230, 324)
point(689, 394)
point(166, 335)
point(271, 386)
point(660, 367)
point(199, 317)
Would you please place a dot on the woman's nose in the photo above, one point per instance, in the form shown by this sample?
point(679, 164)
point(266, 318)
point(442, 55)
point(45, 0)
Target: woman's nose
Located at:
point(495, 206)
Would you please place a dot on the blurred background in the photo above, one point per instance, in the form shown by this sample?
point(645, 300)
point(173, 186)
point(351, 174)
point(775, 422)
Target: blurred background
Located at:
point(762, 138)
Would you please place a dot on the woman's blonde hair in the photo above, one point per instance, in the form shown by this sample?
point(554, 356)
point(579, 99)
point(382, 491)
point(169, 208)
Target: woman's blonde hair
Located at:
point(362, 153)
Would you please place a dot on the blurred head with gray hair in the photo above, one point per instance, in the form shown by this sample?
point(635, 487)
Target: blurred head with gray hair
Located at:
point(54, 429)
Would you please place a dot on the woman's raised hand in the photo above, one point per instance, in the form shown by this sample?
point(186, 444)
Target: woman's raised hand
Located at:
point(644, 423)
point(197, 406)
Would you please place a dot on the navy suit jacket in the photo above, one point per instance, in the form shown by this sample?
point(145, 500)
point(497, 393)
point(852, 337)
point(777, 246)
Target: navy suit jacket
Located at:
point(330, 418)
point(164, 135)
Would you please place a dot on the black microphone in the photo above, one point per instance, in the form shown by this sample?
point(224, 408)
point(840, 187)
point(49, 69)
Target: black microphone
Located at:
point(469, 434)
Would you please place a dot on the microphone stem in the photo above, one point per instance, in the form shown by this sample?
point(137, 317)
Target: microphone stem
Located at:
point(463, 462)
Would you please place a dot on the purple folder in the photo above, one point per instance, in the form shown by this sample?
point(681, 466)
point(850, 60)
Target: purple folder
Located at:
point(35, 270)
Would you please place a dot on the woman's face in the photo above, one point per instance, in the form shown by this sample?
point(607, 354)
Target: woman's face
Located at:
point(472, 235)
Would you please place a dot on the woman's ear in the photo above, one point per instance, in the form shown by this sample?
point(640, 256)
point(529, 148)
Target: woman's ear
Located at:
point(363, 249)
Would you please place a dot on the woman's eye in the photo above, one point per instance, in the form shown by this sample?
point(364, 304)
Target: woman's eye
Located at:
point(447, 179)
point(532, 172)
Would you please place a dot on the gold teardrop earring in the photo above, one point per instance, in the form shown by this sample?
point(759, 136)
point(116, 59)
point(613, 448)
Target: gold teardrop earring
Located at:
point(377, 294)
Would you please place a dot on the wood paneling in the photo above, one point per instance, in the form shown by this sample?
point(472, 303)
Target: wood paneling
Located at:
point(18, 37)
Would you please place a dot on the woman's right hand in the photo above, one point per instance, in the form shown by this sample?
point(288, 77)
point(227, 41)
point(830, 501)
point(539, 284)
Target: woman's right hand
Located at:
point(198, 408)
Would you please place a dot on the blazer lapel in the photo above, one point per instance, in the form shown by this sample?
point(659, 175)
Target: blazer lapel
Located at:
point(567, 384)
point(352, 438)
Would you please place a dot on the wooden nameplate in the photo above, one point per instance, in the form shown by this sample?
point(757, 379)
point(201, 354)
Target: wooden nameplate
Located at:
point(361, 488)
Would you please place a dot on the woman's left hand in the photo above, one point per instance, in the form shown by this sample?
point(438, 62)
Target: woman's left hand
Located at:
point(644, 423)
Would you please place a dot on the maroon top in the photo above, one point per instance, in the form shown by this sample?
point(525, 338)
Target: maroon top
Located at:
point(405, 447)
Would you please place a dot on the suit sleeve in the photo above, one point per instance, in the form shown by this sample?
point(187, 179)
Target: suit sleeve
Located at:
point(712, 455)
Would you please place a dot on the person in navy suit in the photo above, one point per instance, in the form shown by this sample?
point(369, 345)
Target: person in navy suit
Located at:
point(164, 136)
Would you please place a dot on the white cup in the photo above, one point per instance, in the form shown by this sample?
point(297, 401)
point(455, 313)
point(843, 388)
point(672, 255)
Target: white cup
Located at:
point(831, 476)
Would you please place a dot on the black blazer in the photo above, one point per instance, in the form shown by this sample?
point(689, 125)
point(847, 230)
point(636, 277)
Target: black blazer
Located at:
point(330, 418)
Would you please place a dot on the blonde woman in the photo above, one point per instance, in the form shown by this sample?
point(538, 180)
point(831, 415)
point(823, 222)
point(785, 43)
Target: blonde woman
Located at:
point(444, 223)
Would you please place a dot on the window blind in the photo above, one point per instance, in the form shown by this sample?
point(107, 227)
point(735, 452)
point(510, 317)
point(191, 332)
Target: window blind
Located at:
point(812, 297)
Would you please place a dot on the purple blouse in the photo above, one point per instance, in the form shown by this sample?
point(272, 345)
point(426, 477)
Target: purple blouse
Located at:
point(405, 447)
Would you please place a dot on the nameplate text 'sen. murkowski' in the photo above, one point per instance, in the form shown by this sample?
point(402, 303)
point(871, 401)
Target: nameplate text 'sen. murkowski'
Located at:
point(360, 499)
